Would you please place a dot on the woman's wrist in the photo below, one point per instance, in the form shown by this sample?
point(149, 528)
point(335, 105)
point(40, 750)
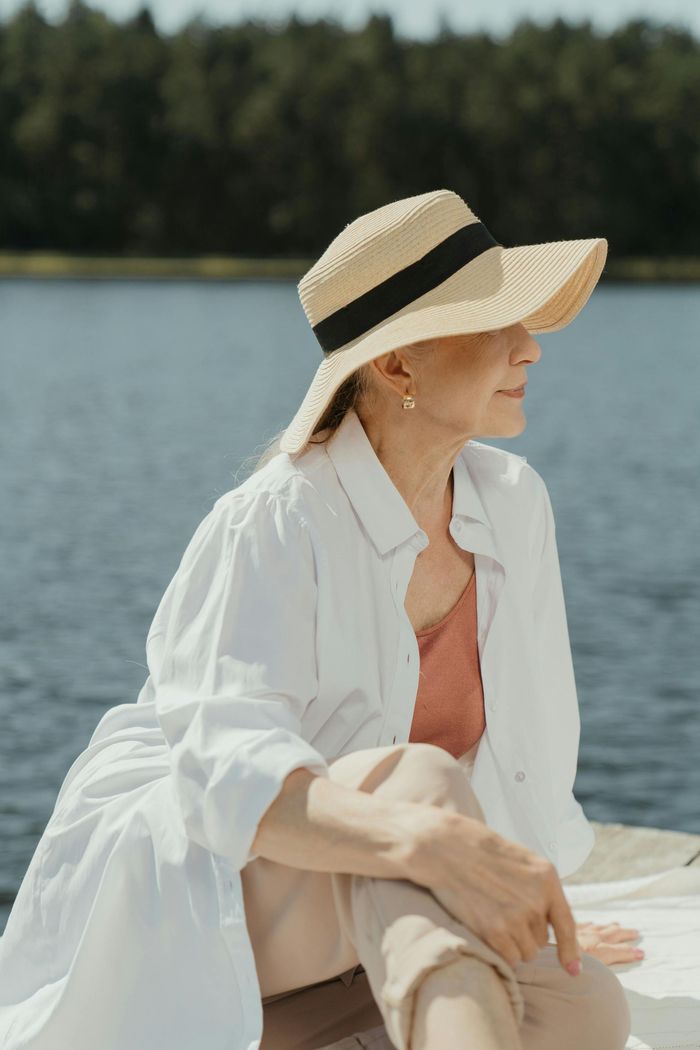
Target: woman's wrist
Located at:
point(430, 836)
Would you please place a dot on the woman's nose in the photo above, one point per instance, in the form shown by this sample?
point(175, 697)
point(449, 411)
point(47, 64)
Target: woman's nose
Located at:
point(529, 347)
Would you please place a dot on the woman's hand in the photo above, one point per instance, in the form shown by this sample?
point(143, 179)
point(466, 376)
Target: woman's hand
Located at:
point(607, 942)
point(503, 891)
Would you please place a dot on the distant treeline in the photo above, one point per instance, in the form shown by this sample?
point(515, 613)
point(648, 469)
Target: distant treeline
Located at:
point(265, 140)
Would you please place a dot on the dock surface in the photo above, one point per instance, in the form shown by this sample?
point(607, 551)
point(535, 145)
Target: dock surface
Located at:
point(624, 851)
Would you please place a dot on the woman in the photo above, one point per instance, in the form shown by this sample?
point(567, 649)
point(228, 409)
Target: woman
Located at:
point(342, 801)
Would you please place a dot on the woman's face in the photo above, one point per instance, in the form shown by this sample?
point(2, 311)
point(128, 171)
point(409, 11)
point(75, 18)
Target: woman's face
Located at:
point(459, 385)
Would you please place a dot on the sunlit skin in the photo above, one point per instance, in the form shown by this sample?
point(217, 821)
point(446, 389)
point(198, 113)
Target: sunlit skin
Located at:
point(456, 382)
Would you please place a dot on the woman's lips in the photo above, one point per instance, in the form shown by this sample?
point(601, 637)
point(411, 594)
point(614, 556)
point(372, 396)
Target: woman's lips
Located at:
point(517, 392)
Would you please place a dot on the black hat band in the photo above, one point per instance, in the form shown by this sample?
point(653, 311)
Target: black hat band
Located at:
point(397, 291)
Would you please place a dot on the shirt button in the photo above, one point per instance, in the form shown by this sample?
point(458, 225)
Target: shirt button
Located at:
point(552, 846)
point(492, 705)
point(457, 526)
point(520, 775)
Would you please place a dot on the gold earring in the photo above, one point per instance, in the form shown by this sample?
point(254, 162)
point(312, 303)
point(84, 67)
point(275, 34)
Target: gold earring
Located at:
point(409, 401)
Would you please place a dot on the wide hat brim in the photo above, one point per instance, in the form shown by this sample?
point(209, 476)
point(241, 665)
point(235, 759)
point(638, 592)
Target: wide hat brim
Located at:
point(543, 286)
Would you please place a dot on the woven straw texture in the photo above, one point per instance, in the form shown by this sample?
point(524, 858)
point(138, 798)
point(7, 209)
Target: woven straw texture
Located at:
point(543, 286)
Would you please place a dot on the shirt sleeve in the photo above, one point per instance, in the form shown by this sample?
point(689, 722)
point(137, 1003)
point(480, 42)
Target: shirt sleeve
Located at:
point(232, 657)
point(554, 659)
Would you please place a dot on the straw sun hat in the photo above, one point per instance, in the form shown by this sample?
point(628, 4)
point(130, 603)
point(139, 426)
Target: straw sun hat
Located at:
point(423, 267)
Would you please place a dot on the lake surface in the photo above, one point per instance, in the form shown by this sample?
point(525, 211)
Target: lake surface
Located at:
point(127, 408)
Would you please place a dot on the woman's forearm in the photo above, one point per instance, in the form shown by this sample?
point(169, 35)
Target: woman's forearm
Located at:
point(321, 825)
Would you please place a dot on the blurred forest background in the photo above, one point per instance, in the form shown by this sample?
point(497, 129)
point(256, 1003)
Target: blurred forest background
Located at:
point(263, 140)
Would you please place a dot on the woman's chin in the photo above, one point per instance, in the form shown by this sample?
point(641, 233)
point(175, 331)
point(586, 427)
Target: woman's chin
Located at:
point(509, 428)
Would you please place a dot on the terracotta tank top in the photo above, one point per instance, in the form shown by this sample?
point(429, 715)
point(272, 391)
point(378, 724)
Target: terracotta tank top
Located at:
point(449, 707)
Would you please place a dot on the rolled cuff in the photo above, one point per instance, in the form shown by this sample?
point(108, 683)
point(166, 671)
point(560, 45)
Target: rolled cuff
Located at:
point(224, 794)
point(300, 755)
point(432, 951)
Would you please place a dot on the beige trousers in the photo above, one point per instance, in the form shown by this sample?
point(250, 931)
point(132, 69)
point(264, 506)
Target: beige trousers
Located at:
point(339, 954)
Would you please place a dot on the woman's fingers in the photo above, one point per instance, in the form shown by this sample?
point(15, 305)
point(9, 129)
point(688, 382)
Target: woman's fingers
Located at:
point(607, 942)
point(540, 930)
point(617, 934)
point(615, 953)
point(562, 919)
point(611, 931)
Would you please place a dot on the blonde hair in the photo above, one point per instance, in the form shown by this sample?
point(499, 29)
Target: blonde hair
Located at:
point(357, 388)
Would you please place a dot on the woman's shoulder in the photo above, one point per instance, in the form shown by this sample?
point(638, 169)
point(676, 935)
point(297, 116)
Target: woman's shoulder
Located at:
point(287, 485)
point(304, 489)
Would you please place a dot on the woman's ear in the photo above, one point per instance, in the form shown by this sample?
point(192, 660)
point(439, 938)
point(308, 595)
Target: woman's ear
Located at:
point(393, 369)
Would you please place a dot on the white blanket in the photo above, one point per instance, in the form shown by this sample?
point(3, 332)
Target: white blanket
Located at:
point(663, 990)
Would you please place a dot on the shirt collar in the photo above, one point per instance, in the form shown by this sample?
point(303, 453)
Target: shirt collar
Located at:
point(380, 506)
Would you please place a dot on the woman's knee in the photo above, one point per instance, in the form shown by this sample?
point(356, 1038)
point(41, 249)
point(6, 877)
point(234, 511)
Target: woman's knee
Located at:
point(421, 772)
point(603, 1019)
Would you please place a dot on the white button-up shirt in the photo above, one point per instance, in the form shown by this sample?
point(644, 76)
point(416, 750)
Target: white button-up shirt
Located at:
point(282, 641)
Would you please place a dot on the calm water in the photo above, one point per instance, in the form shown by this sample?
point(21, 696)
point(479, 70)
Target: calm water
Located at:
point(126, 408)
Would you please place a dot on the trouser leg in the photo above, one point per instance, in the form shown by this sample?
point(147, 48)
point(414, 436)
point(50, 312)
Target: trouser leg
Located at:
point(401, 932)
point(315, 925)
point(591, 1009)
point(301, 922)
point(322, 1015)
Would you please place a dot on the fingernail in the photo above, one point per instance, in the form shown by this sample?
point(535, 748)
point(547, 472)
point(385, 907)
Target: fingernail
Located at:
point(574, 967)
point(639, 952)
